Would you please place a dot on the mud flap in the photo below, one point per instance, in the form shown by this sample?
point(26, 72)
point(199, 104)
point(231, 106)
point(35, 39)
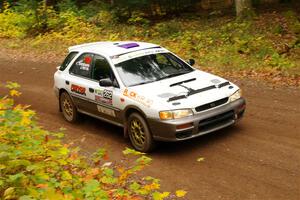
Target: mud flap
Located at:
point(125, 130)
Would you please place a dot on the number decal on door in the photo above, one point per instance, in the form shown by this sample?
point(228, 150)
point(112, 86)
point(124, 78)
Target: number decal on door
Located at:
point(107, 94)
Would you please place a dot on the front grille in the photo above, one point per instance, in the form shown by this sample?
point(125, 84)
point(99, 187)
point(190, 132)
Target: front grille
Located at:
point(216, 121)
point(211, 104)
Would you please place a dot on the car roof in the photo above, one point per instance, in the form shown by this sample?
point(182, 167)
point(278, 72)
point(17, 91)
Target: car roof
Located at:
point(113, 48)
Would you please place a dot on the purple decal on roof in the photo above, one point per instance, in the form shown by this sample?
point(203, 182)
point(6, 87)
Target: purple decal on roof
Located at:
point(129, 45)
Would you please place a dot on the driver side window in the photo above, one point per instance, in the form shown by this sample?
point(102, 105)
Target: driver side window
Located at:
point(102, 70)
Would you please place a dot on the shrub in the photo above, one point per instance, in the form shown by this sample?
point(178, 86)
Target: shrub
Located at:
point(35, 164)
point(293, 20)
point(14, 24)
point(103, 18)
point(67, 5)
point(138, 18)
point(169, 28)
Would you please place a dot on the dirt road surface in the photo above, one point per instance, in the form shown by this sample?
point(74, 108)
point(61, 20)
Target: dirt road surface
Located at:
point(257, 159)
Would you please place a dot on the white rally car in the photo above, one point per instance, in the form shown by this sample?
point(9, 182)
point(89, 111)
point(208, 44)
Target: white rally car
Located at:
point(147, 90)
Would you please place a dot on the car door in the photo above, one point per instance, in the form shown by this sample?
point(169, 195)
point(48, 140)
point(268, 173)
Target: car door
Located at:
point(101, 102)
point(105, 99)
point(79, 81)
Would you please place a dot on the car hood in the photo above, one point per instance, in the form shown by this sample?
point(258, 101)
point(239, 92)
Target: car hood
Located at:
point(165, 94)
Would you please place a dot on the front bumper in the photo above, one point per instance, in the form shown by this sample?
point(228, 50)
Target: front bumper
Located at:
point(198, 124)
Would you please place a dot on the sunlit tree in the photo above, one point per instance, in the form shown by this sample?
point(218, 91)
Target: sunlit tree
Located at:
point(243, 7)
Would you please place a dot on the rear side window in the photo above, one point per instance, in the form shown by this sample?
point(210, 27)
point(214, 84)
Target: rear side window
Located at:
point(83, 65)
point(67, 60)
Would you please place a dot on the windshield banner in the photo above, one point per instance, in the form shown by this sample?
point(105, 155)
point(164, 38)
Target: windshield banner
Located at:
point(136, 54)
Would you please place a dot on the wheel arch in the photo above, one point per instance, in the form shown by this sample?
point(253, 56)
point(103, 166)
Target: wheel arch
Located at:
point(61, 90)
point(127, 112)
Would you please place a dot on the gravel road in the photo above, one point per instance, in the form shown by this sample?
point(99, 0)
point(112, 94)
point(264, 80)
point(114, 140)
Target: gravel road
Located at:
point(259, 158)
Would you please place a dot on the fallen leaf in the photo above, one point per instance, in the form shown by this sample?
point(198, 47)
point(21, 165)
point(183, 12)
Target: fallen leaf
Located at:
point(180, 193)
point(14, 93)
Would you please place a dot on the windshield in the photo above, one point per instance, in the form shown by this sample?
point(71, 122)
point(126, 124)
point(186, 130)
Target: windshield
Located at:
point(151, 68)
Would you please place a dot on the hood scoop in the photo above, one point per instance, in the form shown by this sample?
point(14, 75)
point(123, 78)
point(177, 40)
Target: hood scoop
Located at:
point(192, 91)
point(177, 98)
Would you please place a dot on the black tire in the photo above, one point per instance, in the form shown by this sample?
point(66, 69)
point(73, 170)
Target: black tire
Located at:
point(68, 108)
point(139, 133)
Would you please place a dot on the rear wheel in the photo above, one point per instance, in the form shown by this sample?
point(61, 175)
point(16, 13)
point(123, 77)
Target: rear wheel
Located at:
point(139, 133)
point(68, 108)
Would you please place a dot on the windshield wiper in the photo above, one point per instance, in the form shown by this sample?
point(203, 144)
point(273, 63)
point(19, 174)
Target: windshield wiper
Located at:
point(173, 75)
point(165, 77)
point(142, 83)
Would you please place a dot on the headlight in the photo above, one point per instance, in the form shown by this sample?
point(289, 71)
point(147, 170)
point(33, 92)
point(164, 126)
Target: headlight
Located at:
point(175, 114)
point(235, 96)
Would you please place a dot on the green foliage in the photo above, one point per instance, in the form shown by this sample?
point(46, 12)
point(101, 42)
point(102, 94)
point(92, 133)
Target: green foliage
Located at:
point(233, 44)
point(67, 6)
point(138, 18)
point(102, 18)
point(13, 24)
point(293, 21)
point(167, 29)
point(266, 41)
point(128, 9)
point(35, 164)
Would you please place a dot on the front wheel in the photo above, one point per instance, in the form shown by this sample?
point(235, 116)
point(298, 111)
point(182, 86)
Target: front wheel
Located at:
point(139, 134)
point(68, 108)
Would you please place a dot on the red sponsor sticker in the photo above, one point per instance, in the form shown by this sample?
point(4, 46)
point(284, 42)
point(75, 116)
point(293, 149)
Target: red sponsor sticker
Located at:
point(103, 100)
point(78, 89)
point(87, 60)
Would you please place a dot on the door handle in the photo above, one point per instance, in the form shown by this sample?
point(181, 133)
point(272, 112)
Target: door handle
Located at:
point(67, 82)
point(91, 90)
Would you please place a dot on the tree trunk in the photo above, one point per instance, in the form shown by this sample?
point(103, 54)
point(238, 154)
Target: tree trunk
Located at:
point(242, 7)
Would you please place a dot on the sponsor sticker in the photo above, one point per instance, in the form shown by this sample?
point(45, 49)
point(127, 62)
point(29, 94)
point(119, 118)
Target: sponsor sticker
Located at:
point(78, 89)
point(103, 100)
point(99, 92)
point(138, 98)
point(85, 63)
point(106, 111)
point(104, 96)
point(83, 66)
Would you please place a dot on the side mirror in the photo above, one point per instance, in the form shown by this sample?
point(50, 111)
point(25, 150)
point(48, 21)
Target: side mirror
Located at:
point(106, 82)
point(191, 62)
